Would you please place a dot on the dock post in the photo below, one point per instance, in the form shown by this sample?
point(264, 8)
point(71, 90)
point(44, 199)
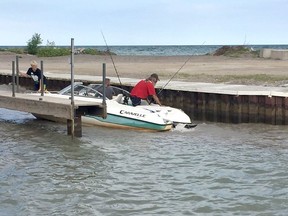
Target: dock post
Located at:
point(72, 88)
point(78, 125)
point(42, 79)
point(17, 74)
point(74, 127)
point(104, 115)
point(69, 127)
point(13, 78)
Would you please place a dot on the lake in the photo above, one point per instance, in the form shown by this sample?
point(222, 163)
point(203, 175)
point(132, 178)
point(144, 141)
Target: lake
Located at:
point(213, 169)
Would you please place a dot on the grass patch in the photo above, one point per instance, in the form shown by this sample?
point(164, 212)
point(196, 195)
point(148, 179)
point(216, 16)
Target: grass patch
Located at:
point(14, 50)
point(256, 79)
point(50, 51)
point(53, 51)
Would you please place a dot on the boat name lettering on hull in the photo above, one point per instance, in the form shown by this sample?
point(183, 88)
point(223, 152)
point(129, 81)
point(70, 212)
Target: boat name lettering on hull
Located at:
point(132, 113)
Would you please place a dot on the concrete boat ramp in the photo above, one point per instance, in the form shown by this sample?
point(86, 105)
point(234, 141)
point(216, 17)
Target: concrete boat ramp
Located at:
point(229, 89)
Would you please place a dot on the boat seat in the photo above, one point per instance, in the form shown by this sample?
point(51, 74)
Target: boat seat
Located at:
point(118, 98)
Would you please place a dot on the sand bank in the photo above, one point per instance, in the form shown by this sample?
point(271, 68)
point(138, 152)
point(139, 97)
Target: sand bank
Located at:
point(213, 69)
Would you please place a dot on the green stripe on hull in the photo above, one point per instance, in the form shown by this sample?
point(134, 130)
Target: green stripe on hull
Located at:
point(116, 120)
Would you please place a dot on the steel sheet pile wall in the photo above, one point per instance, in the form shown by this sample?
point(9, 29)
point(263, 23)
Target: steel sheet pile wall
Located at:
point(229, 108)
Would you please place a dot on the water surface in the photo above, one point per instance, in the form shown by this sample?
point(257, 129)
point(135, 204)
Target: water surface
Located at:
point(214, 169)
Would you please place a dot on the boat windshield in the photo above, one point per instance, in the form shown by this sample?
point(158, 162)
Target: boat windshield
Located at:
point(116, 90)
point(81, 90)
point(92, 90)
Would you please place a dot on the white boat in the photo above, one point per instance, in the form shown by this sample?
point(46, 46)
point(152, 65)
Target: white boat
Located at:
point(121, 113)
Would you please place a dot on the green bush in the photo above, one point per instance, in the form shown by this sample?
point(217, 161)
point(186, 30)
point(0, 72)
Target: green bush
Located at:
point(33, 44)
point(91, 51)
point(236, 51)
point(52, 52)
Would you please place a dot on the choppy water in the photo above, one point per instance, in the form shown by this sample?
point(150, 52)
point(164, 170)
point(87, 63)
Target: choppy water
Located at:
point(214, 169)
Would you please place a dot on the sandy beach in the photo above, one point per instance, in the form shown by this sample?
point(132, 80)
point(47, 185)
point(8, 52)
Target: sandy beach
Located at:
point(212, 69)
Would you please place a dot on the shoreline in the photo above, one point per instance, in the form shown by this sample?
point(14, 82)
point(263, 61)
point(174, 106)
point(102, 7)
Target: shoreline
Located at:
point(206, 68)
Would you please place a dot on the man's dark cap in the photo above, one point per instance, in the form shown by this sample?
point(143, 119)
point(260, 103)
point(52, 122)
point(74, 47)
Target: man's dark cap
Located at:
point(154, 75)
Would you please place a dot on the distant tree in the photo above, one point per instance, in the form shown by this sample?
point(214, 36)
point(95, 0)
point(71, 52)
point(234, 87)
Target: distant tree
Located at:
point(33, 43)
point(50, 43)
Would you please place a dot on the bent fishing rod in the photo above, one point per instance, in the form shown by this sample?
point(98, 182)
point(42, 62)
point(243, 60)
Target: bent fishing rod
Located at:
point(108, 50)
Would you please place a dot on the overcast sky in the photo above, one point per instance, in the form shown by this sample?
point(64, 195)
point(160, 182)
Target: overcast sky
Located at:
point(145, 22)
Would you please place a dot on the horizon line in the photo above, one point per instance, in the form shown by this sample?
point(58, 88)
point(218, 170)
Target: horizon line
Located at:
point(159, 45)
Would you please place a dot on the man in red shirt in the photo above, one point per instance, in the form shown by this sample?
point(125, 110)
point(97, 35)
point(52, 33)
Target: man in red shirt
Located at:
point(144, 89)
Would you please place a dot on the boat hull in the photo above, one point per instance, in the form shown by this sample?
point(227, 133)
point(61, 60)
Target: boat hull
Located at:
point(123, 122)
point(114, 121)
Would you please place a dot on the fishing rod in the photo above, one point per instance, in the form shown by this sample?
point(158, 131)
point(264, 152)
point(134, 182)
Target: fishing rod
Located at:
point(108, 50)
point(177, 72)
point(126, 97)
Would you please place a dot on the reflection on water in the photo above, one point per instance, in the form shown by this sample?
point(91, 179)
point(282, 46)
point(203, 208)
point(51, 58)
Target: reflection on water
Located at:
point(214, 169)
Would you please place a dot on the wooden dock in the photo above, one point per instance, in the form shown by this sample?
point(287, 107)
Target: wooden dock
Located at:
point(51, 106)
